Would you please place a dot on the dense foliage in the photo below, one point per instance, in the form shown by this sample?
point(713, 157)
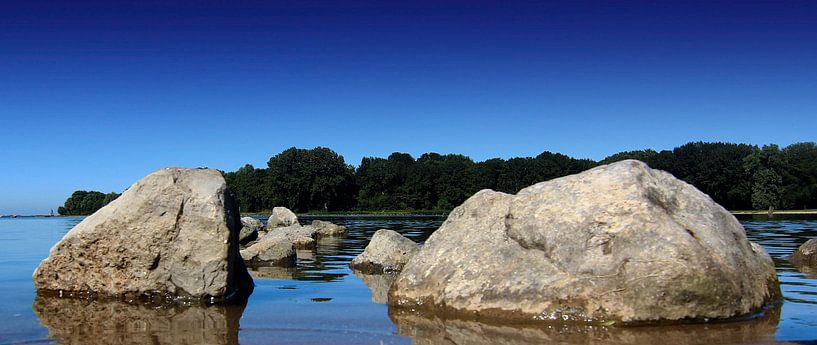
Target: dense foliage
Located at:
point(82, 203)
point(738, 176)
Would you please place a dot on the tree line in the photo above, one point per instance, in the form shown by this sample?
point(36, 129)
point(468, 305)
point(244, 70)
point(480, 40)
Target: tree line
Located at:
point(737, 176)
point(83, 203)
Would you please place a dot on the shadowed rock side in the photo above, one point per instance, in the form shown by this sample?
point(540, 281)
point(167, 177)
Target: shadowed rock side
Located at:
point(173, 233)
point(251, 229)
point(388, 251)
point(805, 258)
point(428, 330)
point(619, 242)
point(77, 321)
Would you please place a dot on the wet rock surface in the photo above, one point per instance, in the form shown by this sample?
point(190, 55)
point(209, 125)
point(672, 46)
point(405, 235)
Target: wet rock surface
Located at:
point(173, 233)
point(388, 251)
point(620, 242)
point(438, 330)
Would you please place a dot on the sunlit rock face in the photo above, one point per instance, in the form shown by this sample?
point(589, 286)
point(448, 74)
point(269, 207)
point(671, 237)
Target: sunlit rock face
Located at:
point(77, 321)
point(388, 251)
point(619, 242)
point(281, 217)
point(173, 233)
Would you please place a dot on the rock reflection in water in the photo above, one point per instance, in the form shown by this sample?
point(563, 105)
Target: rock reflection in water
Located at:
point(272, 272)
point(77, 321)
point(379, 284)
point(428, 330)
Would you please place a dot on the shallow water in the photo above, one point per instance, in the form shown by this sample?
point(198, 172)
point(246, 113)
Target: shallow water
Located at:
point(322, 301)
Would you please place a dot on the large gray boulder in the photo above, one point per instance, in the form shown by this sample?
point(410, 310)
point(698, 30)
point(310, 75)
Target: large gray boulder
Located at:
point(281, 217)
point(388, 251)
point(250, 230)
point(328, 229)
point(303, 237)
point(277, 251)
point(806, 254)
point(620, 242)
point(173, 233)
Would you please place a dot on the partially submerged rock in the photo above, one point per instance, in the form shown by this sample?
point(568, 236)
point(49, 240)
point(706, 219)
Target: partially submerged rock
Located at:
point(173, 233)
point(620, 242)
point(278, 251)
point(303, 237)
point(388, 251)
point(806, 254)
point(250, 228)
point(326, 229)
point(281, 217)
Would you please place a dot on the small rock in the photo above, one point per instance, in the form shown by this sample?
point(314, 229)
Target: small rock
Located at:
point(250, 228)
point(325, 228)
point(388, 251)
point(303, 237)
point(281, 217)
point(277, 251)
point(806, 254)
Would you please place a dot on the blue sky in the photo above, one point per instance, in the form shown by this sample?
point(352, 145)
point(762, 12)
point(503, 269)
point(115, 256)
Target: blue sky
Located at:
point(96, 95)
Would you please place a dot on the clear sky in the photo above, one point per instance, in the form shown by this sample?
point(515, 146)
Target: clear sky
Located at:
point(96, 95)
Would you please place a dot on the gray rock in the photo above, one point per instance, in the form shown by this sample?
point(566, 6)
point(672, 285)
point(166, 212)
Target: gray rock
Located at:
point(326, 229)
point(388, 251)
point(281, 217)
point(173, 233)
point(270, 251)
point(620, 242)
point(250, 228)
point(806, 255)
point(303, 237)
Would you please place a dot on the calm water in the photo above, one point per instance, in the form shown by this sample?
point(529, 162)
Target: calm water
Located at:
point(322, 301)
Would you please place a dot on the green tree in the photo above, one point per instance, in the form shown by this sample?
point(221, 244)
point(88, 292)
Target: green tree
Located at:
point(310, 179)
point(83, 203)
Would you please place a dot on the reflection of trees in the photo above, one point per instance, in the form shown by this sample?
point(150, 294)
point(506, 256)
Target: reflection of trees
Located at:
point(438, 330)
point(77, 321)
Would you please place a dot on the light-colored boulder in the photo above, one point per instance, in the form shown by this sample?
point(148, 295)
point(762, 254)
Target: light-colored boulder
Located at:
point(620, 242)
point(806, 254)
point(250, 230)
point(303, 237)
point(173, 233)
point(277, 251)
point(326, 229)
point(388, 251)
point(281, 217)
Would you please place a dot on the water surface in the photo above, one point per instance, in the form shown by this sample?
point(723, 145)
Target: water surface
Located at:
point(321, 301)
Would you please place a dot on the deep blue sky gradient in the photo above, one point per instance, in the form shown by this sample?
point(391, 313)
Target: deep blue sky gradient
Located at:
point(96, 95)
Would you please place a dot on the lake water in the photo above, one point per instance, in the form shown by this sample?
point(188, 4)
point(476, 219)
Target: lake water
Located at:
point(321, 301)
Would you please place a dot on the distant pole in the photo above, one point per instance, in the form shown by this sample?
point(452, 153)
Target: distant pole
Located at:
point(771, 211)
